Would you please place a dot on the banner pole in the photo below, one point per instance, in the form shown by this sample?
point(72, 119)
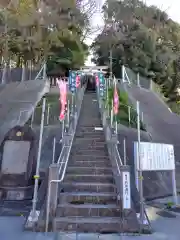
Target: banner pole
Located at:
point(54, 150)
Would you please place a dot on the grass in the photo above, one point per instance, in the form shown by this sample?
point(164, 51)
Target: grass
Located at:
point(127, 115)
point(175, 107)
point(157, 89)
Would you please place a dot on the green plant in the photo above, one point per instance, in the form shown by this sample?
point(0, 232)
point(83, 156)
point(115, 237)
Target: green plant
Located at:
point(169, 205)
point(123, 116)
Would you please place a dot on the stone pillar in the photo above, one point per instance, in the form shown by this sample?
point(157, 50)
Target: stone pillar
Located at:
point(53, 175)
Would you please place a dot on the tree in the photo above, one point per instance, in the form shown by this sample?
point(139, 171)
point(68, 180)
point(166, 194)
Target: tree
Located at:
point(34, 31)
point(142, 38)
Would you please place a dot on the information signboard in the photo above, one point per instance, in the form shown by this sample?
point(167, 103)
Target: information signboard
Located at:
point(154, 156)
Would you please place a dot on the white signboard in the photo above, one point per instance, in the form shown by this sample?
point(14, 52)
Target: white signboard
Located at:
point(126, 190)
point(154, 156)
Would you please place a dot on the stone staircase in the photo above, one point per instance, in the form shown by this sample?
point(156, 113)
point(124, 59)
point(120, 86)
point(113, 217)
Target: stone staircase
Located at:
point(88, 198)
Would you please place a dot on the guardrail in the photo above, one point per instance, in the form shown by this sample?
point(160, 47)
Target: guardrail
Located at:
point(63, 159)
point(111, 135)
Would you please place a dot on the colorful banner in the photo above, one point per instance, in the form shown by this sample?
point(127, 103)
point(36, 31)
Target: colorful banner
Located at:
point(63, 98)
point(72, 81)
point(80, 73)
point(101, 84)
point(78, 81)
point(116, 101)
point(69, 81)
point(97, 80)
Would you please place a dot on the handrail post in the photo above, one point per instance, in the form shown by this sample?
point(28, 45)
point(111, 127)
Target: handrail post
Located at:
point(53, 175)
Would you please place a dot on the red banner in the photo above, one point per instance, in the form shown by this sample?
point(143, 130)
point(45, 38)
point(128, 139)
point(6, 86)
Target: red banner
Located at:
point(97, 80)
point(78, 81)
point(63, 97)
point(116, 100)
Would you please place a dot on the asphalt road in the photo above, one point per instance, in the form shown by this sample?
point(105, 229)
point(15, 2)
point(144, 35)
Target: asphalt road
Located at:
point(163, 127)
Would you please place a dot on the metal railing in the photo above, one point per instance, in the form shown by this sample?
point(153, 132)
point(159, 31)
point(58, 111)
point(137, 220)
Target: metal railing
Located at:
point(111, 135)
point(42, 72)
point(64, 156)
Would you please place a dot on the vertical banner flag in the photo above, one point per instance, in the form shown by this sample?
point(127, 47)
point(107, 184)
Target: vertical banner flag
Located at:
point(63, 98)
point(116, 100)
point(97, 80)
point(101, 84)
point(72, 81)
point(78, 80)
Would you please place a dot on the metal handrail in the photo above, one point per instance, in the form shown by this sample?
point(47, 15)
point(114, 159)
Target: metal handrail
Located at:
point(120, 163)
point(57, 181)
point(40, 71)
point(62, 177)
point(118, 154)
point(118, 167)
point(60, 156)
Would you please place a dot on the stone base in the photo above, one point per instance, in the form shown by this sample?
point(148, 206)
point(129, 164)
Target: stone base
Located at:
point(32, 221)
point(146, 228)
point(16, 193)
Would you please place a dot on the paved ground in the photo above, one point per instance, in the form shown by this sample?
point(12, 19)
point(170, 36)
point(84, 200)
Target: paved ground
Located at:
point(164, 229)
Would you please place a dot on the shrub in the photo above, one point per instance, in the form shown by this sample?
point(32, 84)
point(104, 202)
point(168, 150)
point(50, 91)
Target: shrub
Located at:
point(124, 108)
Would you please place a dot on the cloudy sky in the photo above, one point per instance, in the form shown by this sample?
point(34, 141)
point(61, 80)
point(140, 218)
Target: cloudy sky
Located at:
point(172, 8)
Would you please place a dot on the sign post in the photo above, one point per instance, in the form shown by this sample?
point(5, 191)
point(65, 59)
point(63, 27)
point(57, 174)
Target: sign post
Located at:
point(157, 157)
point(126, 187)
point(140, 176)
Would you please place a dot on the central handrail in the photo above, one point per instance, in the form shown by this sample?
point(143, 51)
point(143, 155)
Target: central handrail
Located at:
point(118, 167)
point(107, 126)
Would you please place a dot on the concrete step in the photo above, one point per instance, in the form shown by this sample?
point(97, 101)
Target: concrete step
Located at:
point(88, 210)
point(89, 134)
point(87, 140)
point(85, 128)
point(88, 197)
point(84, 145)
point(88, 187)
point(87, 157)
point(94, 163)
point(93, 224)
point(89, 170)
point(92, 152)
point(90, 121)
point(85, 178)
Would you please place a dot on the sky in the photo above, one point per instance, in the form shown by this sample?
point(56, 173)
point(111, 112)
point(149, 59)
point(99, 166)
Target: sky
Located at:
point(172, 8)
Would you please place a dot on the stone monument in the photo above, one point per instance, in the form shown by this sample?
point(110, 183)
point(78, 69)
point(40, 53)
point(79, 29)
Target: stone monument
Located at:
point(17, 164)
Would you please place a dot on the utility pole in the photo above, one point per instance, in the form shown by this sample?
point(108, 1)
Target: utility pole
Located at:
point(140, 175)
